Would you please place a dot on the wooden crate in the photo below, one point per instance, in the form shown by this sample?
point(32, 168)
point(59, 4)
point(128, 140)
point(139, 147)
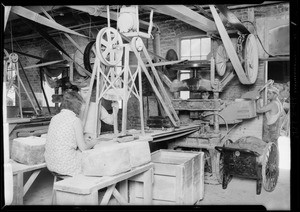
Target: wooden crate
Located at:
point(178, 178)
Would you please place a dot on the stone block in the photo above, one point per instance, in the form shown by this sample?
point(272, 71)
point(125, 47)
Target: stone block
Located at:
point(28, 150)
point(111, 158)
point(108, 160)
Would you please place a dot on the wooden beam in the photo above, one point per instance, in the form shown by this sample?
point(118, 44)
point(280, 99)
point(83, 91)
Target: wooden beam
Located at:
point(95, 11)
point(186, 15)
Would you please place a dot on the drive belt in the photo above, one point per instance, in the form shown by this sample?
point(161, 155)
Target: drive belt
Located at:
point(232, 19)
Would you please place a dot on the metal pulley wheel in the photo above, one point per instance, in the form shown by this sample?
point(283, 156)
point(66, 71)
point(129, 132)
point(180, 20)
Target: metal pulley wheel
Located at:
point(89, 56)
point(270, 166)
point(221, 60)
point(137, 43)
point(251, 58)
point(53, 70)
point(109, 46)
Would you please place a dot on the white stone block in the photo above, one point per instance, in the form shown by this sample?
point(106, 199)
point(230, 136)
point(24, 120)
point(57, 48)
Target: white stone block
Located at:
point(106, 161)
point(28, 150)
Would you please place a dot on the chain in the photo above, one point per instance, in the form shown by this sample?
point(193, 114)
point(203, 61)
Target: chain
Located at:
point(240, 42)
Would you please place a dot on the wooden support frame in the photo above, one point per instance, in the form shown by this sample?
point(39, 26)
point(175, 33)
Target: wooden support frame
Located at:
point(164, 100)
point(84, 189)
point(18, 179)
point(19, 84)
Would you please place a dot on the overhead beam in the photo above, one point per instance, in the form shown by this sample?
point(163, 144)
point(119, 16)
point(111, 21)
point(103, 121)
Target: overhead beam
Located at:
point(97, 11)
point(186, 15)
point(33, 16)
point(36, 9)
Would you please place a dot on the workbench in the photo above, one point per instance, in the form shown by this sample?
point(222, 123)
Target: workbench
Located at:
point(18, 179)
point(83, 190)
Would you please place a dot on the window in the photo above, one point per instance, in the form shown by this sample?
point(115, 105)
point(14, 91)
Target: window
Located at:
point(193, 49)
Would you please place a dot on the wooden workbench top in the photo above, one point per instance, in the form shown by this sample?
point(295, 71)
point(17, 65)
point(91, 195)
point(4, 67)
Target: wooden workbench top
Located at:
point(20, 168)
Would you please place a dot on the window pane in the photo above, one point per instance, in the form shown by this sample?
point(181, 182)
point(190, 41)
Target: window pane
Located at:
point(185, 75)
point(184, 94)
point(185, 47)
point(195, 47)
point(196, 58)
point(185, 58)
point(205, 46)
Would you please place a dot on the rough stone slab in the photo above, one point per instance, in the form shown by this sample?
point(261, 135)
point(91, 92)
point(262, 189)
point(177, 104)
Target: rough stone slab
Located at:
point(139, 151)
point(106, 161)
point(28, 150)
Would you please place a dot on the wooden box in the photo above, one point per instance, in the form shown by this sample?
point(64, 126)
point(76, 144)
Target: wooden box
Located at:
point(178, 178)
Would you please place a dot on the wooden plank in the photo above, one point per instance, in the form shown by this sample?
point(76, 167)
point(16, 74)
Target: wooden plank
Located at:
point(108, 194)
point(229, 47)
point(148, 188)
point(123, 189)
point(125, 100)
point(31, 179)
point(21, 168)
point(64, 198)
point(179, 188)
point(119, 197)
point(201, 169)
point(186, 15)
point(165, 169)
point(18, 189)
point(164, 187)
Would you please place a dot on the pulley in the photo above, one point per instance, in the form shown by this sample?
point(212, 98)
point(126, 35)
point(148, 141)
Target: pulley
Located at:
point(109, 46)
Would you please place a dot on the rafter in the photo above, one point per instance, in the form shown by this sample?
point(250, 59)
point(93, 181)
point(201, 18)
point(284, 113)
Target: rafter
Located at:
point(186, 15)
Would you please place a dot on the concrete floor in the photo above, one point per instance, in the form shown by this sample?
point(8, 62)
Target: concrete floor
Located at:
point(239, 192)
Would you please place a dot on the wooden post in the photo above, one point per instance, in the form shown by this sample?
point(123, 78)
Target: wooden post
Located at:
point(19, 90)
point(18, 189)
point(115, 115)
point(265, 99)
point(125, 87)
point(140, 95)
point(148, 175)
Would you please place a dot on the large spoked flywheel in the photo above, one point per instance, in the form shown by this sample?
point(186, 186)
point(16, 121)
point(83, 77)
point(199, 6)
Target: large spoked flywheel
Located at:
point(109, 46)
point(270, 166)
point(221, 60)
point(251, 58)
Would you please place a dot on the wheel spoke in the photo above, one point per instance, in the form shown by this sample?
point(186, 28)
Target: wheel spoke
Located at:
point(105, 53)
